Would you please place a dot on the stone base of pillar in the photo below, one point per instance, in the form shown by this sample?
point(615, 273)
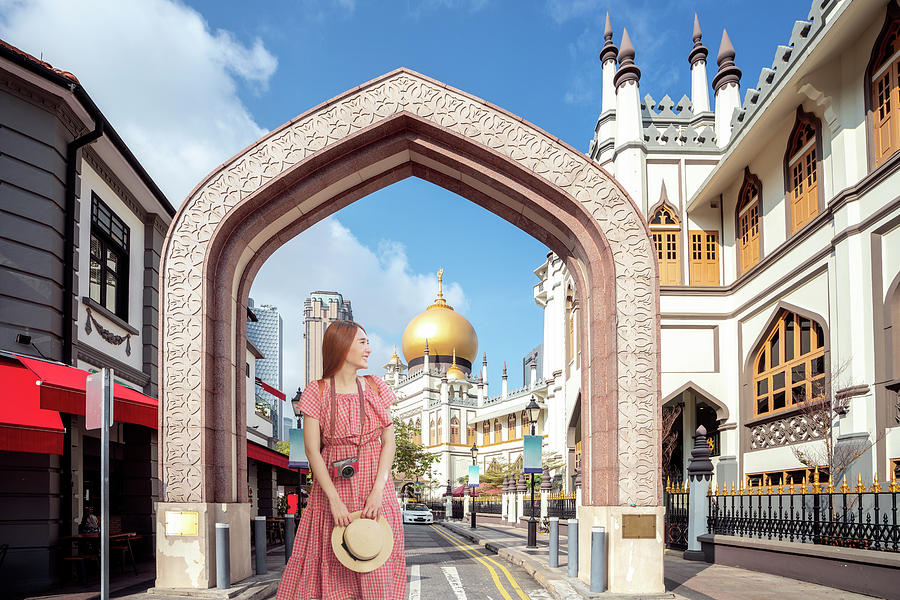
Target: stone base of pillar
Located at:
point(635, 565)
point(694, 555)
point(188, 562)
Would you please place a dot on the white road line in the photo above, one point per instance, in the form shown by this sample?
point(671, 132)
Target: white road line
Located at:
point(453, 579)
point(415, 583)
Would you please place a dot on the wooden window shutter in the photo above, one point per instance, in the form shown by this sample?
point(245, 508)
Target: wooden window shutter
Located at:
point(704, 257)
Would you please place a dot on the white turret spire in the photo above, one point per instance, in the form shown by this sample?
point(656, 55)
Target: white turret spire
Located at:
point(697, 58)
point(727, 86)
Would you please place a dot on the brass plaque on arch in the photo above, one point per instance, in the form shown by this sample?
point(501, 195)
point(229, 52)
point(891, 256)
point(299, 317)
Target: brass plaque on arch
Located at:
point(638, 527)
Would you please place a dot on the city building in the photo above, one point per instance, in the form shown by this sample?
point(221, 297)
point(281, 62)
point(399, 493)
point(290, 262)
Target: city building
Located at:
point(267, 334)
point(319, 310)
point(82, 231)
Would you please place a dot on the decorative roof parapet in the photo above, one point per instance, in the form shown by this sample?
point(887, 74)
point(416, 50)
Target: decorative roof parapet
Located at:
point(627, 70)
point(728, 71)
point(609, 51)
point(699, 51)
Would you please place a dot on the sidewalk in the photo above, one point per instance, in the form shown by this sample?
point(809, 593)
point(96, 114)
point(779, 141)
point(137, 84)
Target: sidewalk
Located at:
point(684, 579)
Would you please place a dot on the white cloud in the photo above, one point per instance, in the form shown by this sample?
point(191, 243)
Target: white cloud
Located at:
point(166, 82)
point(384, 291)
point(565, 10)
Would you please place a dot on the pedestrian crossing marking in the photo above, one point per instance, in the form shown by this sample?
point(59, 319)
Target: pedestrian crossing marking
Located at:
point(415, 583)
point(459, 542)
point(453, 579)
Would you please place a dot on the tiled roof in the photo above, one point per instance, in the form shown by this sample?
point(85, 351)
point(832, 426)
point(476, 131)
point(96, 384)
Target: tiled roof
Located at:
point(40, 62)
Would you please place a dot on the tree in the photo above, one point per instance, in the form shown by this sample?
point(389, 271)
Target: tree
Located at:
point(669, 437)
point(411, 461)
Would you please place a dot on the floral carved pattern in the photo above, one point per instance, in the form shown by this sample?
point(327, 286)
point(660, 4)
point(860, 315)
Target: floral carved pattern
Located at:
point(787, 431)
point(107, 335)
point(533, 150)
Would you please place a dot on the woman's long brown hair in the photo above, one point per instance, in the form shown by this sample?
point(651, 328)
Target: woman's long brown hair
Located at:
point(335, 344)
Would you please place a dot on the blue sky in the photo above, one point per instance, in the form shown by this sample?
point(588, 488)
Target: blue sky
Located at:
point(188, 85)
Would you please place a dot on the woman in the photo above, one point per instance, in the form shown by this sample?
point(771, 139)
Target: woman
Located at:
point(313, 571)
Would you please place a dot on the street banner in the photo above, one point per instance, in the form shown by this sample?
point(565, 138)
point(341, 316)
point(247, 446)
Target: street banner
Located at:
point(474, 475)
point(532, 458)
point(297, 458)
point(95, 396)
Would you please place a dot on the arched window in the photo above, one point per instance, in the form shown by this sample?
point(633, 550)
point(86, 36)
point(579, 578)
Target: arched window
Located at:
point(486, 433)
point(417, 437)
point(526, 424)
point(440, 430)
point(498, 431)
point(801, 167)
point(454, 430)
point(432, 436)
point(665, 229)
point(789, 366)
point(748, 220)
point(470, 434)
point(511, 426)
point(883, 88)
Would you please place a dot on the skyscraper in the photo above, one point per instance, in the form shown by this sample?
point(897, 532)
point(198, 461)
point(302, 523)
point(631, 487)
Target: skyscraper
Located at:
point(267, 333)
point(319, 310)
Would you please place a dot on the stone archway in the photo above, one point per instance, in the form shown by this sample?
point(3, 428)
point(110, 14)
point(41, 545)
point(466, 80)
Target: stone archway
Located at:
point(402, 125)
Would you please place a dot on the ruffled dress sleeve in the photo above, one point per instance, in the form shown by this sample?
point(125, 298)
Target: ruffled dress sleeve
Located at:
point(311, 402)
point(384, 399)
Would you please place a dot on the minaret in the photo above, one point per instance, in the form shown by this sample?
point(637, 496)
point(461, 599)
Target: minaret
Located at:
point(629, 129)
point(503, 388)
point(484, 376)
point(608, 56)
point(697, 58)
point(425, 358)
point(727, 87)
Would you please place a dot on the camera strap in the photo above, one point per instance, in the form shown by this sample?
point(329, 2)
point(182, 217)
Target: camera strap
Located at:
point(362, 413)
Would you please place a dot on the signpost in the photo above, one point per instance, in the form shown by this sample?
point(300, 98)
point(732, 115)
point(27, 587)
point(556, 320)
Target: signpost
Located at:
point(99, 415)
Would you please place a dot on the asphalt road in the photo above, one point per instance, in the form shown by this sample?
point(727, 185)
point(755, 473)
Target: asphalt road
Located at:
point(442, 566)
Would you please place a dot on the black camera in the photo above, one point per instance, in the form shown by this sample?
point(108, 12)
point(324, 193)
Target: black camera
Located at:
point(344, 468)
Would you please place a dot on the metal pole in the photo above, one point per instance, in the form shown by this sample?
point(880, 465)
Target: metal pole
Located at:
point(473, 506)
point(598, 559)
point(572, 545)
point(554, 542)
point(288, 536)
point(106, 418)
point(260, 538)
point(532, 524)
point(223, 556)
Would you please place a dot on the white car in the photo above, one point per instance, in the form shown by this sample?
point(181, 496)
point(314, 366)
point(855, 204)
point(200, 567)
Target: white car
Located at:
point(417, 513)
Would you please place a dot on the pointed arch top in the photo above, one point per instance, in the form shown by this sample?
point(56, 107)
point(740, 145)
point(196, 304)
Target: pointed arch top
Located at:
point(196, 295)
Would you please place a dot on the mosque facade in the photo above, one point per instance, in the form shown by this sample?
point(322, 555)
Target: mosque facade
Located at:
point(775, 214)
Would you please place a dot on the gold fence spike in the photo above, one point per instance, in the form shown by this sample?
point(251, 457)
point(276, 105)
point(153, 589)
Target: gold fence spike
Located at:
point(709, 491)
point(830, 488)
point(732, 488)
point(875, 486)
point(687, 486)
point(817, 488)
point(668, 485)
point(894, 486)
point(844, 487)
point(717, 488)
point(860, 488)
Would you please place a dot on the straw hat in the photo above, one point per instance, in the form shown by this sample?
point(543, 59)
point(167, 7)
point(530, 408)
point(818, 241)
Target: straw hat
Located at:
point(364, 545)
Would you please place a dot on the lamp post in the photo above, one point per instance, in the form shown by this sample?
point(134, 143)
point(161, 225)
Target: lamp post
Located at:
point(533, 412)
point(474, 451)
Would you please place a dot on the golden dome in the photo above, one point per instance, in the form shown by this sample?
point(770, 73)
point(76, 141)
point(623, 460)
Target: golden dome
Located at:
point(443, 328)
point(454, 372)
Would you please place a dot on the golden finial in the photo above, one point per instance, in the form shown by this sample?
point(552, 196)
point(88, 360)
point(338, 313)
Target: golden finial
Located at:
point(768, 482)
point(717, 488)
point(779, 489)
point(894, 486)
point(741, 490)
point(805, 484)
point(668, 485)
point(790, 485)
point(732, 488)
point(439, 301)
point(709, 490)
point(817, 488)
point(830, 487)
point(860, 488)
point(875, 486)
point(844, 487)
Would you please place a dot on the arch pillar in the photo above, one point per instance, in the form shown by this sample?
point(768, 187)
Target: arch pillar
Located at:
point(404, 125)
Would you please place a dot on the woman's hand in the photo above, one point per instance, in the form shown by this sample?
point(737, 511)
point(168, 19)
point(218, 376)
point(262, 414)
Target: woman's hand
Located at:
point(372, 508)
point(340, 513)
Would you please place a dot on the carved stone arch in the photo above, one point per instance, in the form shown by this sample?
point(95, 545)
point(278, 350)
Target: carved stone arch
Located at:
point(722, 413)
point(746, 397)
point(396, 126)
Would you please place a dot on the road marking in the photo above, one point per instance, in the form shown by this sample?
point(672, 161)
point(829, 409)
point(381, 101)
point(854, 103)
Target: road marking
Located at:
point(415, 583)
point(452, 576)
point(506, 572)
point(466, 549)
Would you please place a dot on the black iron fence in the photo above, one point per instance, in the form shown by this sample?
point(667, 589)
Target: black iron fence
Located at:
point(438, 508)
point(489, 505)
point(814, 514)
point(457, 506)
point(561, 505)
point(676, 500)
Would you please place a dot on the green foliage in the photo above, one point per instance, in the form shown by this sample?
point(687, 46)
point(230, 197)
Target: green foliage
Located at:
point(497, 470)
point(411, 460)
point(284, 447)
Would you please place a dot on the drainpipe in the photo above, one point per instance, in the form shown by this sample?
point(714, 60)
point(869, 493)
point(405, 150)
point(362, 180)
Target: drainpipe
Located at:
point(69, 235)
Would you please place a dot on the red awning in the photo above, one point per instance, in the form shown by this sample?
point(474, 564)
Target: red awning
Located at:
point(24, 425)
point(62, 388)
point(274, 391)
point(263, 454)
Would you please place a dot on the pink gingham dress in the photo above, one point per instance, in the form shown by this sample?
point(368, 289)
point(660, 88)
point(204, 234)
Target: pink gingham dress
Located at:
point(313, 571)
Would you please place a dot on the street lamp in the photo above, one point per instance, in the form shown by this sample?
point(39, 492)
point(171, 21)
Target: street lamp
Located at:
point(533, 412)
point(474, 451)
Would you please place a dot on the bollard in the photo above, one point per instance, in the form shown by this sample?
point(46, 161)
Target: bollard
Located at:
point(572, 545)
point(598, 559)
point(554, 542)
point(260, 538)
point(288, 537)
point(223, 556)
